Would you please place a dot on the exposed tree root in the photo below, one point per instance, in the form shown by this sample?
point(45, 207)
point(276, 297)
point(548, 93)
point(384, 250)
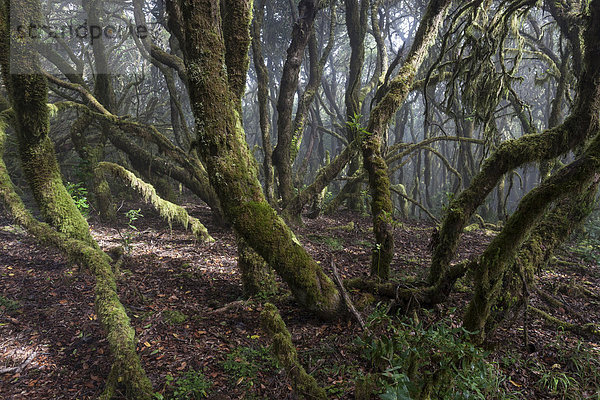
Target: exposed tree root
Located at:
point(408, 295)
point(584, 330)
point(549, 299)
point(167, 210)
point(574, 289)
point(304, 385)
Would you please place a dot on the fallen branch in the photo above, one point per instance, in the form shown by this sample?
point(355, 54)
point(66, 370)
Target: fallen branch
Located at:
point(584, 330)
point(19, 368)
point(346, 297)
point(167, 210)
point(416, 203)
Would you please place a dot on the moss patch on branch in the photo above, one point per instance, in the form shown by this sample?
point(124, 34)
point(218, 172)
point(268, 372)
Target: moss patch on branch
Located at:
point(126, 373)
point(304, 384)
point(169, 211)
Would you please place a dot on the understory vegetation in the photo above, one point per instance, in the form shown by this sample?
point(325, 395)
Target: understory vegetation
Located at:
point(318, 199)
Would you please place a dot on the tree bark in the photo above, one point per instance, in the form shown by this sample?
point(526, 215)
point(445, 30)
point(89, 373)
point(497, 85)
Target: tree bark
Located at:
point(263, 100)
point(307, 11)
point(511, 154)
point(230, 165)
point(28, 95)
point(394, 95)
point(356, 25)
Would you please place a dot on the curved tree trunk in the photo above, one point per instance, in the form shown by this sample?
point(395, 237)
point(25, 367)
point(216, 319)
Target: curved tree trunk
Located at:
point(394, 95)
point(511, 154)
point(126, 371)
point(263, 100)
point(356, 25)
point(307, 11)
point(495, 260)
point(230, 165)
point(557, 225)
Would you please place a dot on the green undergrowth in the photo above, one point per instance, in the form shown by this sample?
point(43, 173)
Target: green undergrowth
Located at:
point(244, 364)
point(337, 375)
point(79, 193)
point(8, 305)
point(569, 369)
point(193, 385)
point(418, 360)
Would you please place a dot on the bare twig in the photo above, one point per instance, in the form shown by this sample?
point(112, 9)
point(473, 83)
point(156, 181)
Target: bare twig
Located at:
point(346, 297)
point(18, 369)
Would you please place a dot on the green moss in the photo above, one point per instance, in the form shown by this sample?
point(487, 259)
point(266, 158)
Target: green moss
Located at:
point(232, 169)
point(174, 317)
point(304, 384)
point(257, 279)
point(277, 244)
point(169, 211)
point(472, 227)
point(126, 371)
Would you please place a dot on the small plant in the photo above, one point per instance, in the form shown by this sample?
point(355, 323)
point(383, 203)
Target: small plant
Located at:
point(174, 317)
point(79, 194)
point(576, 372)
point(555, 382)
point(8, 304)
point(434, 361)
point(243, 364)
point(127, 238)
point(193, 385)
point(132, 216)
point(377, 252)
point(355, 124)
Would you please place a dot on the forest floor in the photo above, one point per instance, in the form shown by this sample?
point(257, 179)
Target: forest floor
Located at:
point(195, 333)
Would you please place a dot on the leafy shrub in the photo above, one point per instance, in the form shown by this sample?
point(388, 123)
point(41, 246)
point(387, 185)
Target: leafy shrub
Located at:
point(193, 385)
point(80, 196)
point(435, 361)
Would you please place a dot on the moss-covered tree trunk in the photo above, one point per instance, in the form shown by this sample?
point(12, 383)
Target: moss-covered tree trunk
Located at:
point(91, 156)
point(356, 25)
point(556, 226)
point(257, 278)
point(307, 11)
point(576, 178)
point(230, 165)
point(28, 95)
point(498, 256)
point(127, 373)
point(262, 77)
point(393, 97)
point(256, 273)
